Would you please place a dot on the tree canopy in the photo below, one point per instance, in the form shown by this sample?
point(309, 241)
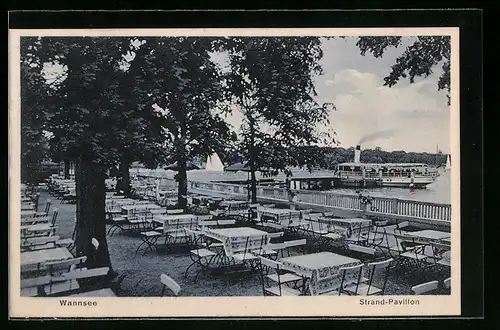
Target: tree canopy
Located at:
point(418, 60)
point(270, 80)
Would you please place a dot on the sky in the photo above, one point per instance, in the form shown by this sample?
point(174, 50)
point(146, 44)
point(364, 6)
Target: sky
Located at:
point(410, 117)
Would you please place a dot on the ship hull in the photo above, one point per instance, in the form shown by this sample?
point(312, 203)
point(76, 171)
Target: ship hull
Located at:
point(394, 182)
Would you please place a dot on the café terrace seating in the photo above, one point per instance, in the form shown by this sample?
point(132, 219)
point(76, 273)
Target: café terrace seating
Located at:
point(222, 236)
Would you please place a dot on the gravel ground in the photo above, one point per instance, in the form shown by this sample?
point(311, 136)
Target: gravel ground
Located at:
point(142, 273)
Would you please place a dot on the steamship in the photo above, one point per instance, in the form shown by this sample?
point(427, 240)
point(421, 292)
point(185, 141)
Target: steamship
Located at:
point(402, 175)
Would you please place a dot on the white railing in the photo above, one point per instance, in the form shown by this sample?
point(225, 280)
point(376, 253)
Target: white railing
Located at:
point(382, 205)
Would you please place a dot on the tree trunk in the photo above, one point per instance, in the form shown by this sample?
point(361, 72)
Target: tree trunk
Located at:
point(90, 213)
point(67, 165)
point(182, 190)
point(253, 184)
point(125, 174)
point(253, 158)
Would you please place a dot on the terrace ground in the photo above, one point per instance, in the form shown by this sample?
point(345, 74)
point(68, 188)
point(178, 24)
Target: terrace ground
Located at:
point(142, 273)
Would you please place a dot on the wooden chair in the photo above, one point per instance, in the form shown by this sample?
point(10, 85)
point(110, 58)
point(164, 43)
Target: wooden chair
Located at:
point(271, 270)
point(447, 283)
point(168, 282)
point(350, 276)
point(411, 251)
point(245, 254)
point(175, 211)
point(275, 235)
point(199, 255)
point(368, 289)
point(425, 288)
point(118, 221)
point(363, 253)
point(295, 243)
point(46, 211)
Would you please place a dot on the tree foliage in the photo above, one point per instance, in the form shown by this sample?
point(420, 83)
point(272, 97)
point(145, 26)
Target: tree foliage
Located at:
point(270, 80)
point(418, 60)
point(185, 86)
point(34, 143)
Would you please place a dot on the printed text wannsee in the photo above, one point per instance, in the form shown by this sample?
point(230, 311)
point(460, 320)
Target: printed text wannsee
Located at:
point(389, 301)
point(79, 303)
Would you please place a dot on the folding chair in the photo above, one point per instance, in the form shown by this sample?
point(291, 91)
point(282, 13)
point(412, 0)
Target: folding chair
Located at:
point(410, 251)
point(168, 282)
point(359, 234)
point(46, 211)
point(363, 253)
point(425, 288)
point(200, 256)
point(363, 289)
point(245, 255)
point(295, 243)
point(266, 274)
point(349, 275)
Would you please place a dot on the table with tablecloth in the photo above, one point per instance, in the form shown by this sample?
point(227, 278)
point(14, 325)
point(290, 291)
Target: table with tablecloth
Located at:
point(321, 269)
point(352, 225)
point(238, 239)
point(174, 222)
point(284, 217)
point(43, 256)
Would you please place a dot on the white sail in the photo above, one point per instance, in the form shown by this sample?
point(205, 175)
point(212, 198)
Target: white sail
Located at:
point(448, 162)
point(214, 163)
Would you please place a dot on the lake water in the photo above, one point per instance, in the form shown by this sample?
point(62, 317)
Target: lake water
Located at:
point(439, 191)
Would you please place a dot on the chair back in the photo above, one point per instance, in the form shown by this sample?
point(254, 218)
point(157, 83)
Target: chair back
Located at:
point(47, 206)
point(297, 242)
point(65, 265)
point(376, 268)
point(425, 287)
point(175, 211)
point(226, 222)
point(362, 249)
point(204, 224)
point(169, 283)
point(85, 273)
point(39, 240)
point(353, 274)
point(270, 263)
point(54, 217)
point(275, 235)
point(205, 217)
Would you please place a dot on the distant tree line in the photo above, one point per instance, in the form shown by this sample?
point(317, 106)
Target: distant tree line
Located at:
point(332, 156)
point(329, 157)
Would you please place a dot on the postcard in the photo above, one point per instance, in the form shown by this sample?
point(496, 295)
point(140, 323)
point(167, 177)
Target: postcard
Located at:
point(279, 172)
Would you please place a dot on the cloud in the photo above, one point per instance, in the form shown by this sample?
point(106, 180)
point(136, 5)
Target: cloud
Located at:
point(415, 114)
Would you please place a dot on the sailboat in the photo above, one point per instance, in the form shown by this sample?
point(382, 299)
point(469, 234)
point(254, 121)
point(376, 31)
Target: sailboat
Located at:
point(448, 163)
point(214, 164)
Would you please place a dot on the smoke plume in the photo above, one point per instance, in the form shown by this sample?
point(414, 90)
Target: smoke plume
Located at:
point(377, 135)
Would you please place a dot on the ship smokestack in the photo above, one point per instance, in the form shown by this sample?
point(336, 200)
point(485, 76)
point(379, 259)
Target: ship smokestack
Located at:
point(357, 154)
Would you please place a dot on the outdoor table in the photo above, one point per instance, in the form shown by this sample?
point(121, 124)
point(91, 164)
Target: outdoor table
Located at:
point(27, 206)
point(321, 269)
point(95, 293)
point(139, 210)
point(27, 214)
point(173, 222)
point(429, 235)
point(37, 227)
point(353, 225)
point(282, 216)
point(235, 239)
point(43, 256)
